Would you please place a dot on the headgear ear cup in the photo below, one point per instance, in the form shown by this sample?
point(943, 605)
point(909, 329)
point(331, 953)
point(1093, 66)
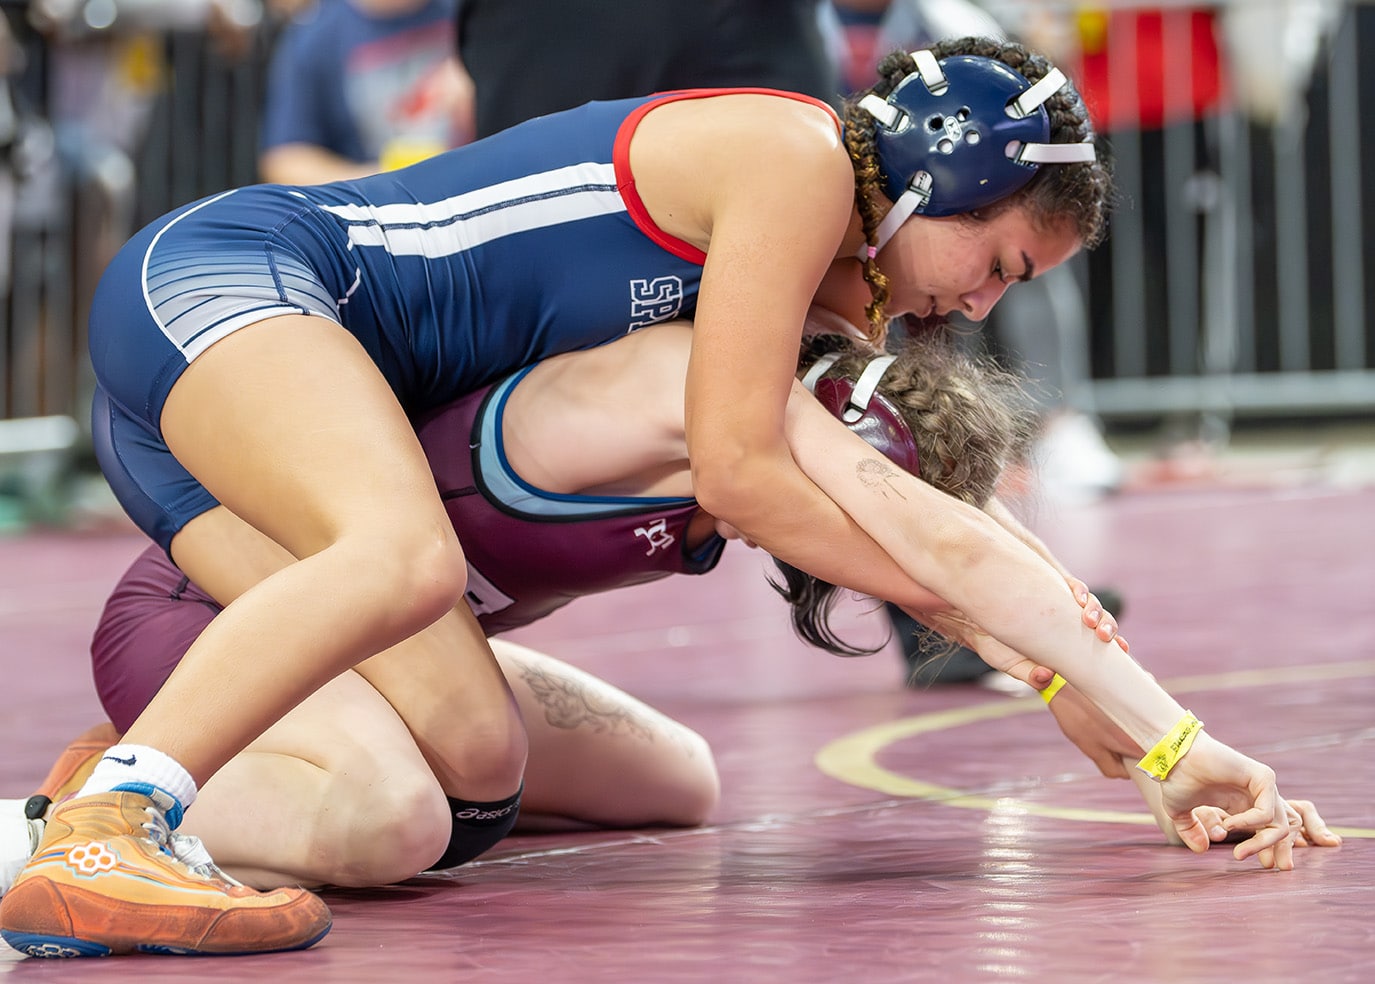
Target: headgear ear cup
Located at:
point(961, 133)
point(864, 410)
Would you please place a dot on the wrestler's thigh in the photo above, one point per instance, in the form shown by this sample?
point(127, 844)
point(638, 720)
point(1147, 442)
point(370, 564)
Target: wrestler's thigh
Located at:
point(290, 425)
point(348, 729)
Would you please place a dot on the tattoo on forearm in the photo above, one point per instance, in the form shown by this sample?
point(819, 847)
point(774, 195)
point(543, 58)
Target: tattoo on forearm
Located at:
point(877, 475)
point(569, 704)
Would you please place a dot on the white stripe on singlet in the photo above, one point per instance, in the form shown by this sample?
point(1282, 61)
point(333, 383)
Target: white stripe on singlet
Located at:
point(449, 226)
point(199, 294)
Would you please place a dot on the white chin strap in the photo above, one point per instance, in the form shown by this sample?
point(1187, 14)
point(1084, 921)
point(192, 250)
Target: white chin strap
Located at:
point(918, 192)
point(917, 195)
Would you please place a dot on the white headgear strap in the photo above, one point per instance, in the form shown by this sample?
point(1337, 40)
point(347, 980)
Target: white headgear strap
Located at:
point(865, 386)
point(818, 369)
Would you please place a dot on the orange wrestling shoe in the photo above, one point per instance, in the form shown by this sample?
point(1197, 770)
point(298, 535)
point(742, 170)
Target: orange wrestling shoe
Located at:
point(105, 881)
point(72, 768)
point(22, 821)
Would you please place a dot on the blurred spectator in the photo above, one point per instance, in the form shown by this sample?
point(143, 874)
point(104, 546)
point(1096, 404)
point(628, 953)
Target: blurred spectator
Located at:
point(11, 60)
point(358, 86)
point(1155, 79)
point(1174, 56)
point(81, 79)
point(532, 57)
point(100, 68)
point(1272, 48)
point(105, 69)
point(859, 33)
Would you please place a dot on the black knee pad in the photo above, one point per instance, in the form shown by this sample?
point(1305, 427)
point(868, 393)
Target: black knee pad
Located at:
point(477, 828)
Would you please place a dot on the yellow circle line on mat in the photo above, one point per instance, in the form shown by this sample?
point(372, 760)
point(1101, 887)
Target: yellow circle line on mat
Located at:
point(851, 758)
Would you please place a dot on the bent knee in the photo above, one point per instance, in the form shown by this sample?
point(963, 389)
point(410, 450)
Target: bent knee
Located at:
point(422, 577)
point(399, 833)
point(698, 789)
point(489, 759)
point(436, 576)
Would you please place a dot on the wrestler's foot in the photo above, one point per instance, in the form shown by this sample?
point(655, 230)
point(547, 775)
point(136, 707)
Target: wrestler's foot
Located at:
point(106, 881)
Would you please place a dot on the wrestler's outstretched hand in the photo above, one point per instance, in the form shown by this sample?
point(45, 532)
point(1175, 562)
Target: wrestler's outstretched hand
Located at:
point(1310, 829)
point(1212, 774)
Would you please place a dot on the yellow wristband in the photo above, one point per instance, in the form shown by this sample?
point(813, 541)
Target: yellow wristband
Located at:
point(1167, 752)
point(1052, 688)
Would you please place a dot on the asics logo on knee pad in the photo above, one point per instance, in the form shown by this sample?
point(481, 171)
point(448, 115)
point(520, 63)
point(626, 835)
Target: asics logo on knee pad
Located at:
point(473, 813)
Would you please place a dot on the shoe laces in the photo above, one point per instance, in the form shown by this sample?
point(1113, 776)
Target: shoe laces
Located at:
point(185, 849)
point(156, 828)
point(191, 852)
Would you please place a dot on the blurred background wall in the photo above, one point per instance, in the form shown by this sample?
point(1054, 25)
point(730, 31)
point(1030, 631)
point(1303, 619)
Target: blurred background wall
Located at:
point(1234, 288)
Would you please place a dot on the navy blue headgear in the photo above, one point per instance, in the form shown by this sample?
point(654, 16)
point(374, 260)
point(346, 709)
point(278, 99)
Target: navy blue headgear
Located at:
point(864, 410)
point(961, 133)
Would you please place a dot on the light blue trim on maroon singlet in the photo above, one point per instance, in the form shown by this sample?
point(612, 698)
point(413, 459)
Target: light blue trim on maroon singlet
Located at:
point(519, 497)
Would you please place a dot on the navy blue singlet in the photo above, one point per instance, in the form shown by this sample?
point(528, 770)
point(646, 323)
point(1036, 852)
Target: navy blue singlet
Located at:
point(452, 273)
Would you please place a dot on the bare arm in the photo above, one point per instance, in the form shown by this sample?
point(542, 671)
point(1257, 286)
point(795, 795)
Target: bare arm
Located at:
point(989, 575)
point(765, 187)
point(995, 508)
point(1024, 604)
point(978, 567)
point(308, 164)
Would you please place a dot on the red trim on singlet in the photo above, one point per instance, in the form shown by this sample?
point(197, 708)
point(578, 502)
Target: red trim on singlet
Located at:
point(625, 181)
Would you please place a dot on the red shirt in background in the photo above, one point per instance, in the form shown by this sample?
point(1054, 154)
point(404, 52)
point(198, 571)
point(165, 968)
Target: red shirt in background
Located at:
point(1175, 83)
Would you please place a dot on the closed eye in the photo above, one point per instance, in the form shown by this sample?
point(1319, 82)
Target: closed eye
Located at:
point(1023, 277)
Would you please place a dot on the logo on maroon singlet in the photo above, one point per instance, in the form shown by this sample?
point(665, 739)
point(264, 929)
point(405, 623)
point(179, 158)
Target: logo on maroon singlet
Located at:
point(657, 534)
point(653, 301)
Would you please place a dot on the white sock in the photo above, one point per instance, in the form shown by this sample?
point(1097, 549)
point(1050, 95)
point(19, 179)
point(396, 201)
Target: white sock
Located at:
point(140, 769)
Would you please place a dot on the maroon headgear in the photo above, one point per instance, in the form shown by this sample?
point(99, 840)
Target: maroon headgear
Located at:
point(864, 410)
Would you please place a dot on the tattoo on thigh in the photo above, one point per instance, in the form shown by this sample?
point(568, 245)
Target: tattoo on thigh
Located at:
point(877, 475)
point(570, 704)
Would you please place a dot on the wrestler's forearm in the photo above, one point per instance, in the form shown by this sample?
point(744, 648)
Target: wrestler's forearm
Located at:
point(995, 508)
point(798, 524)
point(984, 571)
point(1042, 627)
